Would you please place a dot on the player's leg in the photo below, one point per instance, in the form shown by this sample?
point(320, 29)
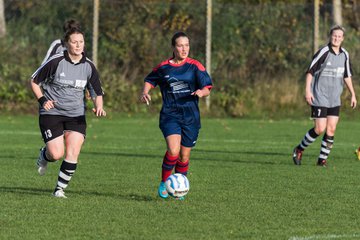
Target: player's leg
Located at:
point(171, 155)
point(328, 138)
point(169, 161)
point(52, 132)
point(182, 165)
point(75, 131)
point(319, 116)
point(189, 136)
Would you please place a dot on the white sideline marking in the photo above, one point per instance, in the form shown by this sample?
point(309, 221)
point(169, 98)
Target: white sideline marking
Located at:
point(329, 236)
point(7, 132)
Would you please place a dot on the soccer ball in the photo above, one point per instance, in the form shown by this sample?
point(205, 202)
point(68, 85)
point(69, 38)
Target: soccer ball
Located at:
point(177, 185)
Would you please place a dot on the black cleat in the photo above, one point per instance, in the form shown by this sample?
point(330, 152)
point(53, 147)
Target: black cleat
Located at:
point(321, 163)
point(297, 155)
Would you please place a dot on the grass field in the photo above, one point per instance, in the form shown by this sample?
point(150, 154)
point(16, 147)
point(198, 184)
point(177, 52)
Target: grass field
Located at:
point(243, 184)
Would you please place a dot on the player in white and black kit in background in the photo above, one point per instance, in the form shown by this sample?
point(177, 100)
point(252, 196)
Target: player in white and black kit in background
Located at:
point(59, 86)
point(58, 45)
point(325, 78)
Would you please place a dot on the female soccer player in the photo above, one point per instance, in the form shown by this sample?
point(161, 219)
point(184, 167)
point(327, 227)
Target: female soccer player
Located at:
point(325, 78)
point(182, 82)
point(59, 87)
point(59, 46)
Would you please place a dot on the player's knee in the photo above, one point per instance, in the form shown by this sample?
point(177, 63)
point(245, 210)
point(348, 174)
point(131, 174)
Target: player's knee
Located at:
point(319, 130)
point(174, 152)
point(330, 131)
point(56, 155)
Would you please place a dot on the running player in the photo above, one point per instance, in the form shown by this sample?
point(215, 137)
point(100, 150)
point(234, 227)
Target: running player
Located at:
point(58, 46)
point(182, 82)
point(325, 78)
point(59, 86)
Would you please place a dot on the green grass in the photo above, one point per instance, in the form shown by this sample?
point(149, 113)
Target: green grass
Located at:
point(243, 184)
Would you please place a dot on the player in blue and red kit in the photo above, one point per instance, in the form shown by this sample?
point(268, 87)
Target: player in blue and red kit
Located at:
point(182, 82)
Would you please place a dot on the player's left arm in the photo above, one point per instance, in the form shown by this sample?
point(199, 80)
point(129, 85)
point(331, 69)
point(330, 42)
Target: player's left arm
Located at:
point(204, 92)
point(349, 85)
point(99, 108)
point(203, 81)
point(94, 82)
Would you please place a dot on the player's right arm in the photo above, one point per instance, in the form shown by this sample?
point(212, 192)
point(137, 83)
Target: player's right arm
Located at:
point(39, 76)
point(309, 97)
point(43, 101)
point(145, 96)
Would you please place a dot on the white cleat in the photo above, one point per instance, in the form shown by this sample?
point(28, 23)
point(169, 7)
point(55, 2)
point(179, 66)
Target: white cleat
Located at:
point(59, 194)
point(41, 163)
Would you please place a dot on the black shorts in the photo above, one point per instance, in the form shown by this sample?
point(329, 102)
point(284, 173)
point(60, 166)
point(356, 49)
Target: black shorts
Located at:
point(323, 112)
point(53, 126)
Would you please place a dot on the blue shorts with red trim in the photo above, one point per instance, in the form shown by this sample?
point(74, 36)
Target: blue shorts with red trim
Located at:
point(181, 121)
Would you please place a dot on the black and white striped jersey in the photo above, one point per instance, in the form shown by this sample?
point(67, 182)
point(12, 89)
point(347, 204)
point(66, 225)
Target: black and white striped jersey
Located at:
point(65, 83)
point(329, 70)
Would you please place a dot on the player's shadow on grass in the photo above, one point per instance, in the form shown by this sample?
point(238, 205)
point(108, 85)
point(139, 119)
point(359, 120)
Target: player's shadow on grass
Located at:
point(132, 155)
point(47, 192)
point(258, 152)
point(242, 156)
point(25, 190)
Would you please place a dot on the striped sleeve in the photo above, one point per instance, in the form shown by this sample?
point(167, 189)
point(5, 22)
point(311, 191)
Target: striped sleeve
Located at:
point(94, 81)
point(47, 69)
point(318, 59)
point(53, 49)
point(348, 68)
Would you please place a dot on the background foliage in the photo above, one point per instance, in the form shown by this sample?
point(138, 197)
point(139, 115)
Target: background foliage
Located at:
point(260, 49)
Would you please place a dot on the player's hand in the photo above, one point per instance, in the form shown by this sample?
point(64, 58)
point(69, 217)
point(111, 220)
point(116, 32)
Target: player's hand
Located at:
point(49, 104)
point(99, 112)
point(145, 98)
point(309, 97)
point(353, 102)
point(198, 93)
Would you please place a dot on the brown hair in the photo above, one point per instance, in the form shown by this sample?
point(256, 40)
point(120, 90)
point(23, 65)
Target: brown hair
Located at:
point(336, 27)
point(72, 23)
point(72, 31)
point(176, 36)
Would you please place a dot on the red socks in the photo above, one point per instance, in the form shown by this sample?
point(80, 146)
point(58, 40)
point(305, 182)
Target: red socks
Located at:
point(168, 165)
point(182, 167)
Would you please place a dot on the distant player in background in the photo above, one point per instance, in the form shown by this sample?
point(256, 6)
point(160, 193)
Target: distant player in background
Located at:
point(58, 45)
point(182, 82)
point(59, 86)
point(329, 70)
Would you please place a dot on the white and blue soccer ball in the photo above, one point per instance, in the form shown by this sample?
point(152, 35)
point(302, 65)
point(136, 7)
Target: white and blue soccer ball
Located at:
point(177, 185)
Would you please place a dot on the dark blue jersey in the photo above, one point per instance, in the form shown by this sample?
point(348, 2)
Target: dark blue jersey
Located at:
point(177, 82)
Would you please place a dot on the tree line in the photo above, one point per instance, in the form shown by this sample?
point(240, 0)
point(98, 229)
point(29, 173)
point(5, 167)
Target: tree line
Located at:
point(260, 49)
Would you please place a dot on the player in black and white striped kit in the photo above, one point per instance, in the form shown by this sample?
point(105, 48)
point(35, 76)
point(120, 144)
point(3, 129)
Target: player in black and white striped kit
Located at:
point(58, 45)
point(59, 86)
point(328, 71)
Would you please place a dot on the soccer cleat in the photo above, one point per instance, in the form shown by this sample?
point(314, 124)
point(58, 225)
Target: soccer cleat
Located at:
point(297, 155)
point(162, 190)
point(59, 193)
point(322, 163)
point(180, 198)
point(41, 162)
